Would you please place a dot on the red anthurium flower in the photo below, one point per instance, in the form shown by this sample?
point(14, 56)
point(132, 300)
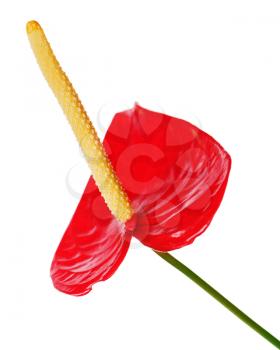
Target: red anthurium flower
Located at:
point(175, 176)
point(168, 182)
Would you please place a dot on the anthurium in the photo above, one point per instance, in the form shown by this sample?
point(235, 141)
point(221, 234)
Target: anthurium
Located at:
point(155, 177)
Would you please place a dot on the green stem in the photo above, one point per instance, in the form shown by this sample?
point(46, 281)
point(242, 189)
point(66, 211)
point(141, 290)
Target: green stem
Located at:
point(219, 297)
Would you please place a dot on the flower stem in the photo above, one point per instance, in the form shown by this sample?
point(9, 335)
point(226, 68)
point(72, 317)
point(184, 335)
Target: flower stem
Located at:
point(219, 297)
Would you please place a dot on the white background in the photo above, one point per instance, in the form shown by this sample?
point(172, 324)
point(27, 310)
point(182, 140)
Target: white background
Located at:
point(215, 63)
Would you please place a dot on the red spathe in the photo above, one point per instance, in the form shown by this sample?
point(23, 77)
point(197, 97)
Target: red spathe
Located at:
point(175, 176)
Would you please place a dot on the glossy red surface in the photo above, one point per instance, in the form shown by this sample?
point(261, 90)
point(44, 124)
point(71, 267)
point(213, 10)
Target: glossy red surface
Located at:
point(175, 176)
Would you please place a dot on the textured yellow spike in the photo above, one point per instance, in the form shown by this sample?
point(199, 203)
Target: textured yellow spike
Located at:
point(101, 168)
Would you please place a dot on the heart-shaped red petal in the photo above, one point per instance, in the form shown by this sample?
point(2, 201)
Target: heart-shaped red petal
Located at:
point(175, 176)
